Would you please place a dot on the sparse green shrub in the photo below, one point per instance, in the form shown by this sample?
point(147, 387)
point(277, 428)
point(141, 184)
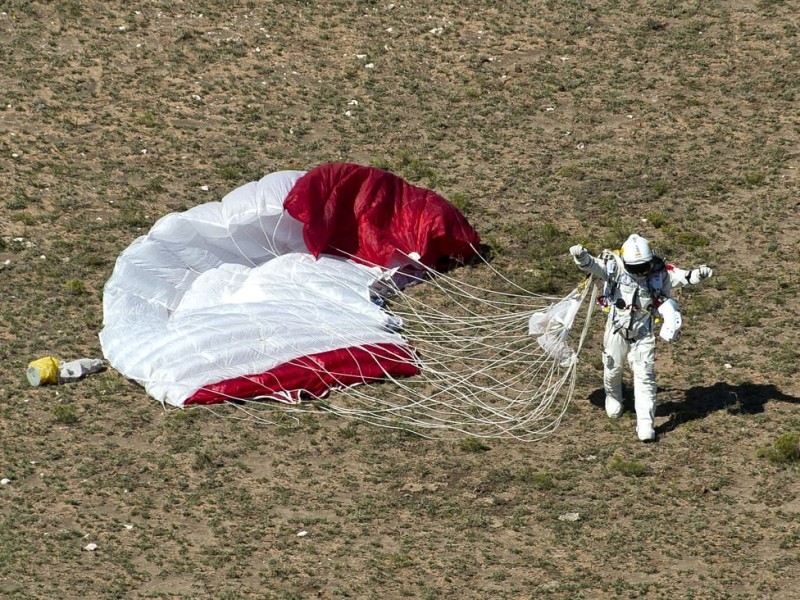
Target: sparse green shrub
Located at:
point(631, 468)
point(69, 8)
point(203, 460)
point(349, 432)
point(691, 239)
point(408, 165)
point(132, 217)
point(571, 172)
point(229, 172)
point(95, 259)
point(746, 317)
point(17, 203)
point(156, 186)
point(381, 163)
point(76, 287)
point(785, 450)
point(654, 25)
point(786, 358)
point(472, 444)
point(541, 480)
point(462, 202)
point(65, 414)
point(148, 119)
point(660, 188)
point(754, 178)
point(415, 169)
point(736, 286)
point(493, 247)
point(27, 218)
point(657, 219)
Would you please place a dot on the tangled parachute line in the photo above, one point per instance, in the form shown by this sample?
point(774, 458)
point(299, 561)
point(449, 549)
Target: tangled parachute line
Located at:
point(484, 372)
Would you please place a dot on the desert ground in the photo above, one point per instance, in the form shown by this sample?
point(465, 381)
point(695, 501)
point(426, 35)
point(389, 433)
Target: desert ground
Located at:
point(549, 124)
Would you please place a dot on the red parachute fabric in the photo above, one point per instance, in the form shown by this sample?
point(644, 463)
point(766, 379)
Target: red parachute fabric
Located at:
point(314, 375)
point(364, 212)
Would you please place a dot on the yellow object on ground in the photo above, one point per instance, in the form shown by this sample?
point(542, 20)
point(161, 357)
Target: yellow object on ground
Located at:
point(43, 370)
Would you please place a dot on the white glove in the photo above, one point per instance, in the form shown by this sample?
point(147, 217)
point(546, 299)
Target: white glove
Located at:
point(697, 275)
point(577, 251)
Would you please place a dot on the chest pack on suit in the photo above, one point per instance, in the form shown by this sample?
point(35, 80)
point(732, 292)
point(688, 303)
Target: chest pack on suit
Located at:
point(632, 302)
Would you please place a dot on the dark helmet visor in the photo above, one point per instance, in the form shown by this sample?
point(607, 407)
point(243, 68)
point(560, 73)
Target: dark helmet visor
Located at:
point(639, 269)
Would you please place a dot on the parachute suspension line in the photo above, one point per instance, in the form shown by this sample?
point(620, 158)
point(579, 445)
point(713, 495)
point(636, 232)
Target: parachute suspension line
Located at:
point(589, 311)
point(523, 292)
point(272, 244)
point(249, 261)
point(481, 373)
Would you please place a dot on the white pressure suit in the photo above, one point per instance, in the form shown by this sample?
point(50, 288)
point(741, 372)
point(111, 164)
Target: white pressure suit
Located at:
point(632, 300)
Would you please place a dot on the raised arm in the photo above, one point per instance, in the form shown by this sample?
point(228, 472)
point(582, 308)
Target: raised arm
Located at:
point(679, 278)
point(587, 262)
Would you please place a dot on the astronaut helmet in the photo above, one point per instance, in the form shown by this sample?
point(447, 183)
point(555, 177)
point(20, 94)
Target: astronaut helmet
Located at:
point(637, 255)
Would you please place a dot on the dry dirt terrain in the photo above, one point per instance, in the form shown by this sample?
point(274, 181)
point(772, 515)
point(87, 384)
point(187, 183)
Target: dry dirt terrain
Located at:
point(549, 124)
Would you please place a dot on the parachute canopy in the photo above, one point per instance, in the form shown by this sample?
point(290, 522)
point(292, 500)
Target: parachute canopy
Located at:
point(271, 292)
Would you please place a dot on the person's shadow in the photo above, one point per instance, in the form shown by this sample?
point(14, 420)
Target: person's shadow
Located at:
point(698, 402)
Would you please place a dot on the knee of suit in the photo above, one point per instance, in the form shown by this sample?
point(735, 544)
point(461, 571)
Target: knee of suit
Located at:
point(611, 363)
point(645, 371)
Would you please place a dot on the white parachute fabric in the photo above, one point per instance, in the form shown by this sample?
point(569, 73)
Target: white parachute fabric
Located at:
point(227, 289)
point(552, 327)
point(234, 321)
